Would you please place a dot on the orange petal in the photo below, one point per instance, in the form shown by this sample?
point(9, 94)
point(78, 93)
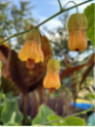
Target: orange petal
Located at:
point(52, 80)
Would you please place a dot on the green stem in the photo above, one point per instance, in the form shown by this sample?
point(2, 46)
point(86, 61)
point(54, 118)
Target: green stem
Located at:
point(60, 5)
point(73, 3)
point(53, 16)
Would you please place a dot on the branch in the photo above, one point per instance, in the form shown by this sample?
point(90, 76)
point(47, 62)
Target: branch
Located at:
point(71, 70)
point(48, 19)
point(85, 74)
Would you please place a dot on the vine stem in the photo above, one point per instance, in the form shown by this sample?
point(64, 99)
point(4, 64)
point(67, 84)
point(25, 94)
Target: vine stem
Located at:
point(73, 3)
point(43, 22)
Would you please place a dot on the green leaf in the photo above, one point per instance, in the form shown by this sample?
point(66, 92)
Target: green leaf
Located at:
point(76, 121)
point(53, 117)
point(47, 115)
point(2, 98)
point(89, 12)
point(91, 96)
point(10, 114)
point(69, 121)
point(12, 120)
point(41, 117)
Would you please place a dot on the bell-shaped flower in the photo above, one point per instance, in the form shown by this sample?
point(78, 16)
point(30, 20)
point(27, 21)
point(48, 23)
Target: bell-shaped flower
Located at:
point(32, 47)
point(77, 26)
point(52, 78)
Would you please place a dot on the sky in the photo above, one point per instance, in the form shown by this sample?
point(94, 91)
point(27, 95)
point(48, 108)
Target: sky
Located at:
point(46, 8)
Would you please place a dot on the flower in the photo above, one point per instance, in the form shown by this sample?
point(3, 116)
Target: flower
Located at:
point(31, 51)
point(77, 26)
point(32, 48)
point(77, 41)
point(52, 79)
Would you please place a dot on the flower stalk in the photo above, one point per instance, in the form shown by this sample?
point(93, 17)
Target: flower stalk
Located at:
point(60, 5)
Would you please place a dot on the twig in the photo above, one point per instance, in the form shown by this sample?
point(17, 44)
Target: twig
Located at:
point(60, 5)
point(73, 3)
point(48, 19)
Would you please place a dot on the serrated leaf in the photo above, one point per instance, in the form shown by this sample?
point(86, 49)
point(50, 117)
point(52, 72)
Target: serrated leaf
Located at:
point(41, 117)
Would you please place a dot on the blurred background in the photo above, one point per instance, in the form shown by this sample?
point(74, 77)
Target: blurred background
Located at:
point(76, 92)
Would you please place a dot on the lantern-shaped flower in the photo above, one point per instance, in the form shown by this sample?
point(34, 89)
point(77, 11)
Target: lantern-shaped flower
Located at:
point(52, 79)
point(32, 48)
point(77, 26)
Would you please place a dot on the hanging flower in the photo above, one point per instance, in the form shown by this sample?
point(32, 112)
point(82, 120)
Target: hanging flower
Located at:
point(52, 79)
point(32, 48)
point(77, 26)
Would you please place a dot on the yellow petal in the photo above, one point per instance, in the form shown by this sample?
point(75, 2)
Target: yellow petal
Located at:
point(31, 51)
